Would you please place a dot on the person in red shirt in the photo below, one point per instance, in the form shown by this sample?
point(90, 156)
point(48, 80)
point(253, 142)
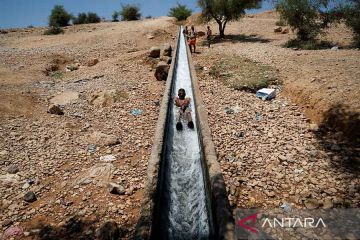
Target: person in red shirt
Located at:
point(183, 104)
point(192, 39)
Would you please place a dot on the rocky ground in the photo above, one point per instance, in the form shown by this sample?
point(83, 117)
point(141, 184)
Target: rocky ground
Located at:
point(277, 152)
point(63, 176)
point(87, 166)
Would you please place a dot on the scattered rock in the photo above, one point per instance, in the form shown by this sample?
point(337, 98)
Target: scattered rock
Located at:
point(278, 29)
point(162, 71)
point(6, 222)
point(30, 197)
point(13, 233)
point(102, 139)
point(157, 103)
point(100, 173)
point(92, 62)
point(167, 50)
point(314, 127)
point(311, 203)
point(154, 52)
point(328, 204)
point(108, 231)
point(65, 98)
point(149, 36)
point(25, 186)
point(9, 178)
point(4, 153)
point(285, 31)
point(71, 68)
point(12, 169)
point(55, 109)
point(270, 194)
point(282, 158)
point(116, 188)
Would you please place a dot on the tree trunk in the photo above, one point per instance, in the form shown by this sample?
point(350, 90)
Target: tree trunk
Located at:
point(221, 31)
point(222, 26)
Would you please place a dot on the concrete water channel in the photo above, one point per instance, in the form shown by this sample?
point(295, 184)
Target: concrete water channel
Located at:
point(185, 195)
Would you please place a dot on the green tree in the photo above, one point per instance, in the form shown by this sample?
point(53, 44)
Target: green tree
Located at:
point(84, 18)
point(181, 12)
point(59, 17)
point(130, 12)
point(224, 11)
point(307, 17)
point(80, 19)
point(92, 18)
point(115, 16)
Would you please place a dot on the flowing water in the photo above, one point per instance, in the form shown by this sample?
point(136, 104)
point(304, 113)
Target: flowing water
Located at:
point(184, 211)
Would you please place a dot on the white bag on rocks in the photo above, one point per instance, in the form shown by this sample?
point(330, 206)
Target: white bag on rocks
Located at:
point(266, 93)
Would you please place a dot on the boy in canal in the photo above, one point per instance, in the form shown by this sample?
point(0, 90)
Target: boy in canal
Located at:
point(184, 110)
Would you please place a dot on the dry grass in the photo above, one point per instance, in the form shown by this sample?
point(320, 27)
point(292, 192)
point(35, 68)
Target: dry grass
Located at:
point(244, 74)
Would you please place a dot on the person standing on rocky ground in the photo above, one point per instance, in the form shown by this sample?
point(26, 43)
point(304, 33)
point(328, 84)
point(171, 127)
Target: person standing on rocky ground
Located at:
point(186, 32)
point(208, 35)
point(192, 39)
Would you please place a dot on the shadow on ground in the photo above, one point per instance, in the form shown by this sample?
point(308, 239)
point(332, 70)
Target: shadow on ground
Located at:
point(339, 135)
point(76, 228)
point(240, 38)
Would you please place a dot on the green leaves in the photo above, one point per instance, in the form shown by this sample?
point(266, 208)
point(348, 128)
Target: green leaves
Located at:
point(308, 17)
point(181, 12)
point(59, 17)
point(130, 12)
point(223, 11)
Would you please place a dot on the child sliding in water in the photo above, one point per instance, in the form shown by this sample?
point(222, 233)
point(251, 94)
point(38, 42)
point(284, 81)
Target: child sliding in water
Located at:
point(184, 110)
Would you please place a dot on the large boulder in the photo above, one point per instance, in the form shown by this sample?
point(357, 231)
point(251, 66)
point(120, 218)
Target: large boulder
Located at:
point(30, 197)
point(116, 188)
point(162, 71)
point(167, 50)
point(278, 29)
point(154, 52)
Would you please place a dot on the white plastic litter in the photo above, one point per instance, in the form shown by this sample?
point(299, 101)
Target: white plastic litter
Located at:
point(266, 93)
point(286, 207)
point(108, 158)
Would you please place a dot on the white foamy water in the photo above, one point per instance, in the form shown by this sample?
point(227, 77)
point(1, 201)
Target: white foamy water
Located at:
point(184, 214)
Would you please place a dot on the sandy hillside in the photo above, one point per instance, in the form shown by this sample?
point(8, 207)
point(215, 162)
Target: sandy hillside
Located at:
point(271, 153)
